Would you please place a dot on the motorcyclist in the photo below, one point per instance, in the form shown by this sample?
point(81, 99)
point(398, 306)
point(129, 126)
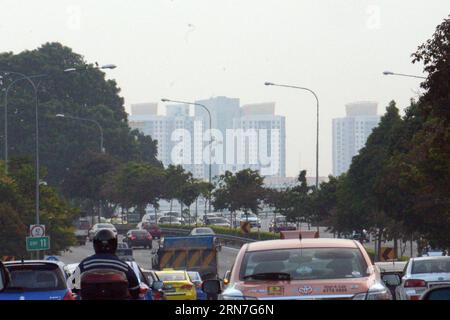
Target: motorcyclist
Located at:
point(105, 245)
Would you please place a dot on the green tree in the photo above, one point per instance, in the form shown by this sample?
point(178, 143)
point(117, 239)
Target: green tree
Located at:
point(176, 179)
point(419, 171)
point(17, 209)
point(135, 184)
point(243, 190)
point(84, 94)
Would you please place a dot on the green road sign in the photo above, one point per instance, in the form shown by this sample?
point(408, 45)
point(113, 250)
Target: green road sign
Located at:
point(38, 243)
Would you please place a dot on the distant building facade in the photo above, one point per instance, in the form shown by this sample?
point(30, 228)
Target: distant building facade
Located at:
point(351, 132)
point(263, 144)
point(184, 139)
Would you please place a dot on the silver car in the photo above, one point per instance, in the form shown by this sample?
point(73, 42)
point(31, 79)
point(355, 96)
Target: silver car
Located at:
point(422, 274)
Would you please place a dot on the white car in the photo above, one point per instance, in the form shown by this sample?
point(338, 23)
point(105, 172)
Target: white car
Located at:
point(174, 214)
point(150, 217)
point(217, 221)
point(100, 226)
point(170, 220)
point(422, 274)
point(255, 222)
point(202, 231)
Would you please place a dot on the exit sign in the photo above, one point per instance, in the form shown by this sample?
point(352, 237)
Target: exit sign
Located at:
point(38, 243)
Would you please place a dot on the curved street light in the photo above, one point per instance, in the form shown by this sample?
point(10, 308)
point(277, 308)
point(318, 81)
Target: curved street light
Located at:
point(390, 73)
point(210, 135)
point(102, 149)
point(317, 133)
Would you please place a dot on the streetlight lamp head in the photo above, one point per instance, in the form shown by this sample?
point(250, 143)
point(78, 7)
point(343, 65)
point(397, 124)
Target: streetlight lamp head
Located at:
point(268, 83)
point(165, 100)
point(108, 66)
point(59, 115)
point(70, 70)
point(388, 73)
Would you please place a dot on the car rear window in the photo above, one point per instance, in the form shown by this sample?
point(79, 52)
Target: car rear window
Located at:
point(194, 276)
point(204, 231)
point(139, 232)
point(172, 276)
point(45, 277)
point(105, 226)
point(305, 264)
point(431, 266)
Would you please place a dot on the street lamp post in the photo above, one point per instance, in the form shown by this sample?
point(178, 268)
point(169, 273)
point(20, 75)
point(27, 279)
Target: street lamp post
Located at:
point(102, 149)
point(317, 125)
point(36, 87)
point(390, 73)
point(36, 98)
point(35, 91)
point(210, 136)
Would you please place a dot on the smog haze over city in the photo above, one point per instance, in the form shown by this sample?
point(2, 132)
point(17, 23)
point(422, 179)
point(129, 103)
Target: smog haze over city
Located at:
point(199, 49)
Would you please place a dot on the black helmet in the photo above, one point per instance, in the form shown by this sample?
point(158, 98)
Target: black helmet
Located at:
point(105, 241)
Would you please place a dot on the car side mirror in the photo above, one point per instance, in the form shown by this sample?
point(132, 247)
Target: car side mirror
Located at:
point(211, 287)
point(4, 277)
point(157, 285)
point(391, 279)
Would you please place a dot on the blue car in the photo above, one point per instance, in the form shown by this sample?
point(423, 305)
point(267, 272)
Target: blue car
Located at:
point(36, 280)
point(196, 279)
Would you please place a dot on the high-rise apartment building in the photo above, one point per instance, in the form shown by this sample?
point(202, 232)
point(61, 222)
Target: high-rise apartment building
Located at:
point(260, 140)
point(351, 132)
point(248, 137)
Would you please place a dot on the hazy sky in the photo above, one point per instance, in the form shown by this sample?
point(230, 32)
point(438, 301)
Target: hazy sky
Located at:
point(195, 49)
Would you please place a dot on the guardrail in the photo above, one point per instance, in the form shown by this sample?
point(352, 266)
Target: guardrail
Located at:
point(226, 239)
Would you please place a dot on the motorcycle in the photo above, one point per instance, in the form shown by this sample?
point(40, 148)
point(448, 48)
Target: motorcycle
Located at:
point(104, 284)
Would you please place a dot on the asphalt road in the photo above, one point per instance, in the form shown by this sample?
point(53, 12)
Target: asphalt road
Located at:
point(143, 256)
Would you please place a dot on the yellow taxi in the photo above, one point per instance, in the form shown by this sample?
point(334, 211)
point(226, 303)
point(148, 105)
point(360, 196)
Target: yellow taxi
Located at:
point(177, 285)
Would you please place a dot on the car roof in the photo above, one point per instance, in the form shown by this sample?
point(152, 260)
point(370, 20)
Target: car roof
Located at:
point(171, 271)
point(304, 243)
point(431, 258)
point(17, 262)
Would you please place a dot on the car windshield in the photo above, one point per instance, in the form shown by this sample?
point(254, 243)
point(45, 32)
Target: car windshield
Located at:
point(431, 266)
point(203, 231)
point(105, 226)
point(45, 277)
point(304, 264)
point(172, 214)
point(176, 276)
